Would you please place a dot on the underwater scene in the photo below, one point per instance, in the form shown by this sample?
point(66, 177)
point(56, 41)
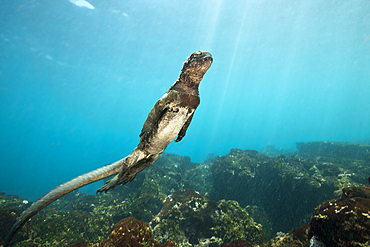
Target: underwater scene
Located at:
point(185, 123)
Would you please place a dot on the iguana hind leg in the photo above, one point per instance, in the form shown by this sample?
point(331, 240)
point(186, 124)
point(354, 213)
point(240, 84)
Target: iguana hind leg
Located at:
point(134, 164)
point(118, 179)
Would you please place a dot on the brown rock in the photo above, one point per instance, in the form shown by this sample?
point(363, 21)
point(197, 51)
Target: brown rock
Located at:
point(127, 233)
point(237, 243)
point(350, 192)
point(345, 221)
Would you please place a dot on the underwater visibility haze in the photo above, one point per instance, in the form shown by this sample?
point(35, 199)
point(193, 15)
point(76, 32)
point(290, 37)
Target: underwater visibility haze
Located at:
point(77, 81)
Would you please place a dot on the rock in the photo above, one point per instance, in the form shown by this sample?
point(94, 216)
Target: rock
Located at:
point(344, 221)
point(130, 232)
point(271, 151)
point(333, 149)
point(127, 233)
point(260, 216)
point(286, 188)
point(237, 243)
point(298, 237)
point(7, 219)
point(80, 244)
point(350, 192)
point(188, 218)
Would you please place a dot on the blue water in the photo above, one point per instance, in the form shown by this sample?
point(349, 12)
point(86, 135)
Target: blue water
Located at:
point(76, 84)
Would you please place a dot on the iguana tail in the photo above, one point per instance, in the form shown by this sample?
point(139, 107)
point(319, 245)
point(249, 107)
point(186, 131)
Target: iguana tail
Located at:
point(60, 191)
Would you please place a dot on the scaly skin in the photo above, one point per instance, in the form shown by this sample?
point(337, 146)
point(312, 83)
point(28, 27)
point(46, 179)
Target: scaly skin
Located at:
point(170, 117)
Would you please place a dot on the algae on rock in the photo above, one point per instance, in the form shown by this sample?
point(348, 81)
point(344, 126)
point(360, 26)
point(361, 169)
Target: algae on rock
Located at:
point(187, 217)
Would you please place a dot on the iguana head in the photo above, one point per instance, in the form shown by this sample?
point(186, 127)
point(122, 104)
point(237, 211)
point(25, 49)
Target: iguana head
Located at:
point(195, 66)
point(198, 62)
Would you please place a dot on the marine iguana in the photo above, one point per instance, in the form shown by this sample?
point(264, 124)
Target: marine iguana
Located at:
point(170, 117)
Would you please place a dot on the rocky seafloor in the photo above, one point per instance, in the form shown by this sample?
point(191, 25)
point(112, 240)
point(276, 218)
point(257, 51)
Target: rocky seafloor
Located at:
point(316, 196)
